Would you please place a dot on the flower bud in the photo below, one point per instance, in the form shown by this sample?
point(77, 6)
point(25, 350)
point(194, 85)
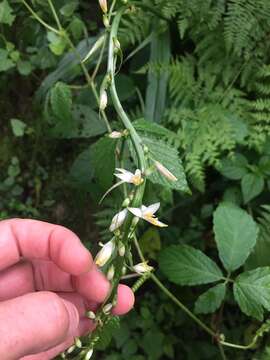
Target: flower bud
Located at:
point(126, 202)
point(118, 220)
point(91, 315)
point(78, 342)
point(103, 100)
point(115, 135)
point(105, 253)
point(121, 249)
point(107, 308)
point(117, 45)
point(164, 171)
point(135, 221)
point(110, 273)
point(103, 5)
point(89, 354)
point(142, 268)
point(106, 22)
point(71, 349)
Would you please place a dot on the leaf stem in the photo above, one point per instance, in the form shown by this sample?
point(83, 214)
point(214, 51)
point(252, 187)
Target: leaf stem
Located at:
point(55, 15)
point(38, 18)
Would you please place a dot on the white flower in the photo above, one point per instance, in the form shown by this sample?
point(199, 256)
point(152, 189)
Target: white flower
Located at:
point(103, 100)
point(147, 213)
point(118, 220)
point(115, 135)
point(164, 171)
point(105, 253)
point(103, 5)
point(142, 268)
point(129, 177)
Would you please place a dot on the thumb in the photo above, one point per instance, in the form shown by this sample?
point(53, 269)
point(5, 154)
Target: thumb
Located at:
point(35, 322)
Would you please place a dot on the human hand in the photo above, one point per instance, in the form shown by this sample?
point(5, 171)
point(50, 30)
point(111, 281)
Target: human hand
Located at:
point(47, 283)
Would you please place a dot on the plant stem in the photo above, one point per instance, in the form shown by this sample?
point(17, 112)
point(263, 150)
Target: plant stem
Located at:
point(38, 18)
point(55, 15)
point(172, 297)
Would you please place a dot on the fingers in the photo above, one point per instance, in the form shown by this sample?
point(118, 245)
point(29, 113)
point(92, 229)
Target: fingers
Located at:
point(35, 322)
point(125, 300)
point(34, 239)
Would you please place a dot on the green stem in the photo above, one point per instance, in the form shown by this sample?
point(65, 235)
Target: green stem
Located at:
point(55, 15)
point(38, 18)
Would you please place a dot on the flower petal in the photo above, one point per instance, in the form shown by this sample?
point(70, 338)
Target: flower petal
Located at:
point(151, 209)
point(136, 211)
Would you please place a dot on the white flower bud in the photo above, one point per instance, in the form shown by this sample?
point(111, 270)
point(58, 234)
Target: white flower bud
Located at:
point(103, 101)
point(71, 349)
point(91, 315)
point(78, 342)
point(89, 354)
point(118, 220)
point(110, 273)
point(126, 202)
point(103, 5)
point(115, 135)
point(164, 171)
point(105, 253)
point(107, 308)
point(142, 268)
point(121, 249)
point(117, 46)
point(106, 22)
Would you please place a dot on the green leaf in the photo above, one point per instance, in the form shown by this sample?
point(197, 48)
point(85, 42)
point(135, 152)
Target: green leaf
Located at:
point(5, 62)
point(106, 332)
point(167, 156)
point(185, 265)
point(149, 128)
point(6, 16)
point(18, 127)
point(61, 102)
point(157, 83)
point(103, 161)
point(68, 9)
point(87, 122)
point(235, 168)
point(24, 67)
point(252, 185)
point(211, 300)
point(81, 172)
point(235, 233)
point(252, 292)
point(57, 43)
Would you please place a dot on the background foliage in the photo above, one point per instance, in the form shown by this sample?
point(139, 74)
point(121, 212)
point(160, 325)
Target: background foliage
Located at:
point(199, 68)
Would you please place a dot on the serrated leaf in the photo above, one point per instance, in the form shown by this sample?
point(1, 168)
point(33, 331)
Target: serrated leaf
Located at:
point(185, 265)
point(167, 156)
point(6, 16)
point(150, 128)
point(235, 233)
point(61, 101)
point(103, 161)
point(106, 332)
point(235, 168)
point(211, 300)
point(252, 292)
point(252, 185)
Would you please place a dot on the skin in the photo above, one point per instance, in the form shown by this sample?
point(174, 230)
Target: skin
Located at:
point(47, 282)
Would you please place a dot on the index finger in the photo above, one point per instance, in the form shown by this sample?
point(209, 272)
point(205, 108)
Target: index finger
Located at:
point(33, 239)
